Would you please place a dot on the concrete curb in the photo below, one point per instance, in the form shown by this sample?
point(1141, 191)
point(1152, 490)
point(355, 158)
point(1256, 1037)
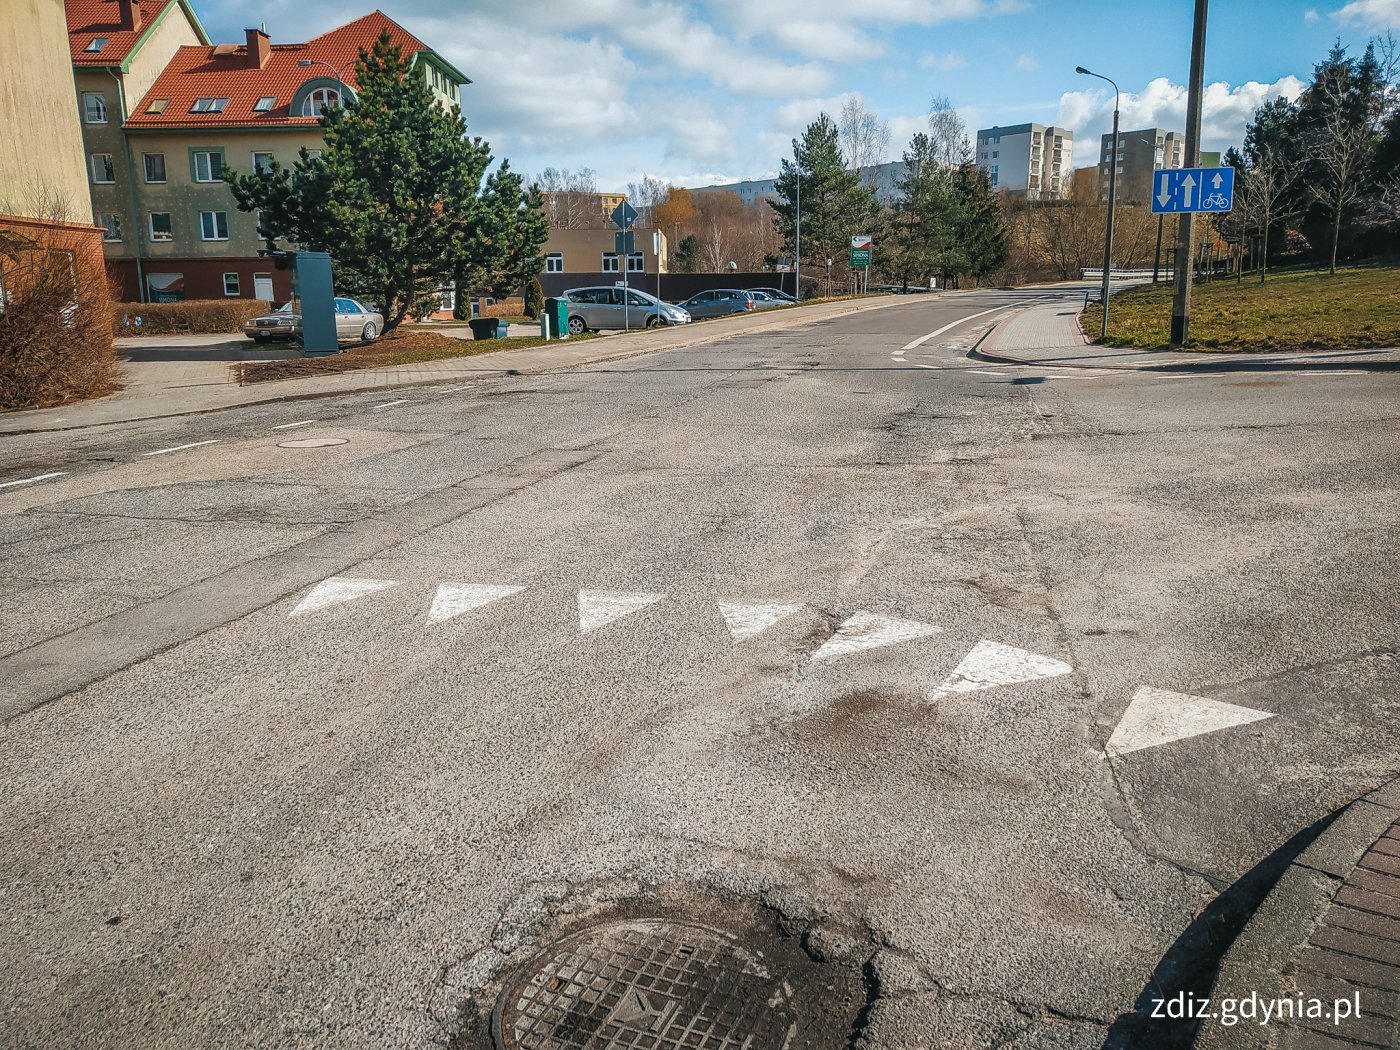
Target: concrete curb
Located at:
point(985, 350)
point(1263, 958)
point(779, 319)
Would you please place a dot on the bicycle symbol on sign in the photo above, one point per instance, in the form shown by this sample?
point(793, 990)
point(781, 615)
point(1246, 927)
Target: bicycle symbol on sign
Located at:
point(1215, 202)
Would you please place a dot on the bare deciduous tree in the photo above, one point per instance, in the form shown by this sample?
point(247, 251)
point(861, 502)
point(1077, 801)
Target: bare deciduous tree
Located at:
point(1342, 148)
point(1266, 187)
point(865, 138)
point(947, 133)
point(570, 197)
point(644, 195)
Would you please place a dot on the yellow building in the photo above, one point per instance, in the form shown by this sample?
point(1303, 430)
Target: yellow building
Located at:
point(39, 117)
point(174, 231)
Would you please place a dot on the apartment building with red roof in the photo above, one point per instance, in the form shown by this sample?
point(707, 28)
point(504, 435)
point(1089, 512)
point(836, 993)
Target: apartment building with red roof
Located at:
point(174, 229)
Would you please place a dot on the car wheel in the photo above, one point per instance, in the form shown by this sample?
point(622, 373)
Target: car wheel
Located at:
point(369, 333)
point(653, 321)
point(576, 326)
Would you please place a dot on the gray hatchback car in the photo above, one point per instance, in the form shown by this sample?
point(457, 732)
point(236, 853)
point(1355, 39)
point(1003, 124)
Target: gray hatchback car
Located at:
point(721, 302)
point(593, 309)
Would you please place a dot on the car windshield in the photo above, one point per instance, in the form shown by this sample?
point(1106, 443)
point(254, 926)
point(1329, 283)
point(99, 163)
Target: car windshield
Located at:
point(285, 308)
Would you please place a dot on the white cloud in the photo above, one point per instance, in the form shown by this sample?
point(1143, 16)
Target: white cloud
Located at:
point(1311, 15)
point(1370, 14)
point(1027, 62)
point(943, 63)
point(1225, 111)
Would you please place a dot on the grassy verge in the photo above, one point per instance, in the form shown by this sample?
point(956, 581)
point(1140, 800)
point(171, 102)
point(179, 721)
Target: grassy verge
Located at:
point(414, 347)
point(1352, 310)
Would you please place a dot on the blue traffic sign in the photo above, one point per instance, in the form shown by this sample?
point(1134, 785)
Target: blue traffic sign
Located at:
point(1176, 190)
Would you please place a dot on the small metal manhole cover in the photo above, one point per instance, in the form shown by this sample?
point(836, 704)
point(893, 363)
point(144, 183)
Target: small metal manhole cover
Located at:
point(650, 984)
point(312, 442)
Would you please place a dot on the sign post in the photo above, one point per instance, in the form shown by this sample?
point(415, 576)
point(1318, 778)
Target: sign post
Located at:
point(624, 215)
point(1185, 242)
point(860, 254)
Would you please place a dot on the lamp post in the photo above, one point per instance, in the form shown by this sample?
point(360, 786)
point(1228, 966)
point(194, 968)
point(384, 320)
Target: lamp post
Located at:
point(1112, 194)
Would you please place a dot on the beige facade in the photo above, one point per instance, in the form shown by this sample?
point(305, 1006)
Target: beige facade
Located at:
point(42, 165)
point(594, 251)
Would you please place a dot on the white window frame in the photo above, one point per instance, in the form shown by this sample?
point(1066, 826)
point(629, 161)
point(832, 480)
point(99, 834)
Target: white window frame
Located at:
point(110, 169)
point(610, 264)
point(146, 169)
point(96, 44)
point(236, 293)
point(637, 262)
point(151, 227)
point(111, 224)
point(265, 104)
point(261, 153)
point(328, 96)
point(207, 176)
point(214, 219)
point(554, 262)
point(94, 114)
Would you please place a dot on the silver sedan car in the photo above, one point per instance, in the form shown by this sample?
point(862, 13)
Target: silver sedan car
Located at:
point(721, 302)
point(353, 320)
point(594, 309)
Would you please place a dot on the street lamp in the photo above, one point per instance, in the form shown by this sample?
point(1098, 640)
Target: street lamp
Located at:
point(1112, 193)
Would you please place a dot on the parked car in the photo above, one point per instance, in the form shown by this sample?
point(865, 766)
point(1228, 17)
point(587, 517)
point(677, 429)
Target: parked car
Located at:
point(721, 302)
point(779, 294)
point(353, 320)
point(594, 309)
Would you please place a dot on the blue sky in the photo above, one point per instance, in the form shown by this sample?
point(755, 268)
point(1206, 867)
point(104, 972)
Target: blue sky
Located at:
point(709, 91)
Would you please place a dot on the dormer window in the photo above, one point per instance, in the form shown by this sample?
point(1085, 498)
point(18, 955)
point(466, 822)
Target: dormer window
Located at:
point(209, 105)
point(97, 43)
point(158, 105)
point(319, 101)
point(265, 104)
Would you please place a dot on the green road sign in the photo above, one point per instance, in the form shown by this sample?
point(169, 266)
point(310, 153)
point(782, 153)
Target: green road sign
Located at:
point(860, 250)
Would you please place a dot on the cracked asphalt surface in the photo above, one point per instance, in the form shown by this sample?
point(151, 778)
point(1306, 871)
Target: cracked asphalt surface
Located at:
point(228, 826)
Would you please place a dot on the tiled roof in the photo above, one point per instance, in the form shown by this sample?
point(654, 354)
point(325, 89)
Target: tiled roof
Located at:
point(223, 72)
point(88, 19)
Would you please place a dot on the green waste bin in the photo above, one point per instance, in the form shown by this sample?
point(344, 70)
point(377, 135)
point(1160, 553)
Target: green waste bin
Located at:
point(554, 319)
point(487, 327)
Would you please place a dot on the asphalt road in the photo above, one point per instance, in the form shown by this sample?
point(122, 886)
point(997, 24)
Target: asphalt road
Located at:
point(236, 811)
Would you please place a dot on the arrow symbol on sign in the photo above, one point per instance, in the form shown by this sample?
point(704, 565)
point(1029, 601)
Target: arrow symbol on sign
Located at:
point(1188, 186)
point(1162, 194)
point(1218, 180)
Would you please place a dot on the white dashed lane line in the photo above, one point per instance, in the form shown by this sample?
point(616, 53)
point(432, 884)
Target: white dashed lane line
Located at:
point(289, 426)
point(181, 448)
point(36, 477)
point(391, 404)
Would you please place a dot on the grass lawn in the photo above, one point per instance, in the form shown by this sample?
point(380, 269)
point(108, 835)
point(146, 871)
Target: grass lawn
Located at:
point(411, 347)
point(1353, 310)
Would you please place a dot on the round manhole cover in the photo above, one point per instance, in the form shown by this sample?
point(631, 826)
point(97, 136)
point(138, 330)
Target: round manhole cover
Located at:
point(312, 442)
point(646, 983)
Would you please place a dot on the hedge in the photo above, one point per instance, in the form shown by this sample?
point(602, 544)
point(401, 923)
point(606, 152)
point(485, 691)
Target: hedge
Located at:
point(193, 316)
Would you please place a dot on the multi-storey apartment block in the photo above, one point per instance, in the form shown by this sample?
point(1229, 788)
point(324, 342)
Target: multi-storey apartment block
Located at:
point(175, 112)
point(1034, 159)
point(1137, 156)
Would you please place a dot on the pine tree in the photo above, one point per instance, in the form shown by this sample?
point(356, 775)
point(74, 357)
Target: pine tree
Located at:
point(395, 196)
point(917, 235)
point(981, 233)
point(534, 298)
point(836, 205)
point(687, 256)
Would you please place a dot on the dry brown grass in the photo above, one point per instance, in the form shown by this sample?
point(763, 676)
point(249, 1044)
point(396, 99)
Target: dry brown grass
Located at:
point(55, 334)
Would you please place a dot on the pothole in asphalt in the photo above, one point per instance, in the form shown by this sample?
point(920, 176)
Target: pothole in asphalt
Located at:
point(312, 442)
point(647, 983)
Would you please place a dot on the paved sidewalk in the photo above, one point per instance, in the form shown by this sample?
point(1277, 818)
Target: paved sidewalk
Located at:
point(1329, 930)
point(167, 376)
point(1050, 335)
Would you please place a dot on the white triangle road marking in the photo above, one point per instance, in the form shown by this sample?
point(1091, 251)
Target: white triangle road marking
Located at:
point(339, 589)
point(991, 664)
point(453, 599)
point(600, 608)
point(867, 630)
point(746, 621)
point(1157, 716)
